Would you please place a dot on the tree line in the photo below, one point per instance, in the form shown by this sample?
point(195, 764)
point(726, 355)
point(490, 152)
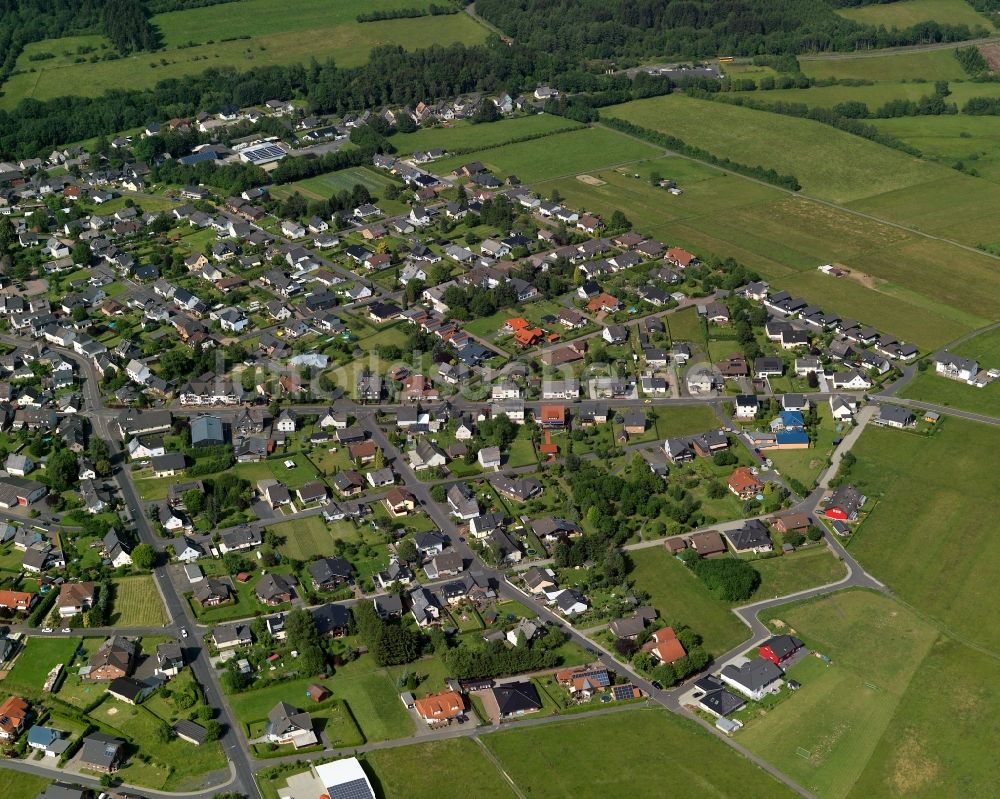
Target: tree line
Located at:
point(595, 29)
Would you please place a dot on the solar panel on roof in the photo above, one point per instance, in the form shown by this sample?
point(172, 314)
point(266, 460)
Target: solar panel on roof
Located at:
point(355, 789)
point(622, 692)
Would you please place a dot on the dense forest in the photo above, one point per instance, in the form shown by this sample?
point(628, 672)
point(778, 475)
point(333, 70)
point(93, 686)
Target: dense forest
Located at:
point(127, 25)
point(695, 28)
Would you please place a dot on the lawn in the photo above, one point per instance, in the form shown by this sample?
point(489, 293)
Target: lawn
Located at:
point(402, 773)
point(824, 735)
point(806, 568)
point(931, 387)
point(558, 155)
point(36, 659)
point(905, 13)
point(691, 760)
point(263, 33)
point(681, 598)
point(369, 692)
point(305, 538)
point(931, 537)
point(176, 765)
point(466, 136)
point(138, 603)
point(925, 64)
point(16, 784)
point(829, 163)
point(805, 465)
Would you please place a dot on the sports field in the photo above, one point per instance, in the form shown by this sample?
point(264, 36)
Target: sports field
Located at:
point(931, 538)
point(904, 13)
point(643, 754)
point(257, 33)
point(138, 603)
point(557, 155)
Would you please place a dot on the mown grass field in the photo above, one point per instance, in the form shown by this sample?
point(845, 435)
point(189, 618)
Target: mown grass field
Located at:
point(560, 154)
point(681, 598)
point(273, 33)
point(828, 163)
point(464, 135)
point(402, 772)
point(36, 659)
point(931, 387)
point(684, 420)
point(931, 538)
point(305, 538)
point(807, 568)
point(823, 736)
point(904, 13)
point(15, 783)
point(925, 64)
point(613, 756)
point(138, 603)
point(322, 187)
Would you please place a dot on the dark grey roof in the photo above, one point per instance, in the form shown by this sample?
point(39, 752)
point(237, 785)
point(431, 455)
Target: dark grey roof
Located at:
point(754, 674)
point(516, 697)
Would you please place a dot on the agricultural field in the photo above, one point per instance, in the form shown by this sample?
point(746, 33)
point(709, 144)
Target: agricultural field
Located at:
point(138, 603)
point(466, 136)
point(324, 186)
point(829, 163)
point(905, 13)
point(931, 387)
point(402, 772)
point(975, 141)
point(261, 33)
point(557, 155)
point(691, 759)
point(37, 659)
point(924, 64)
point(785, 238)
point(877, 94)
point(946, 564)
point(681, 598)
